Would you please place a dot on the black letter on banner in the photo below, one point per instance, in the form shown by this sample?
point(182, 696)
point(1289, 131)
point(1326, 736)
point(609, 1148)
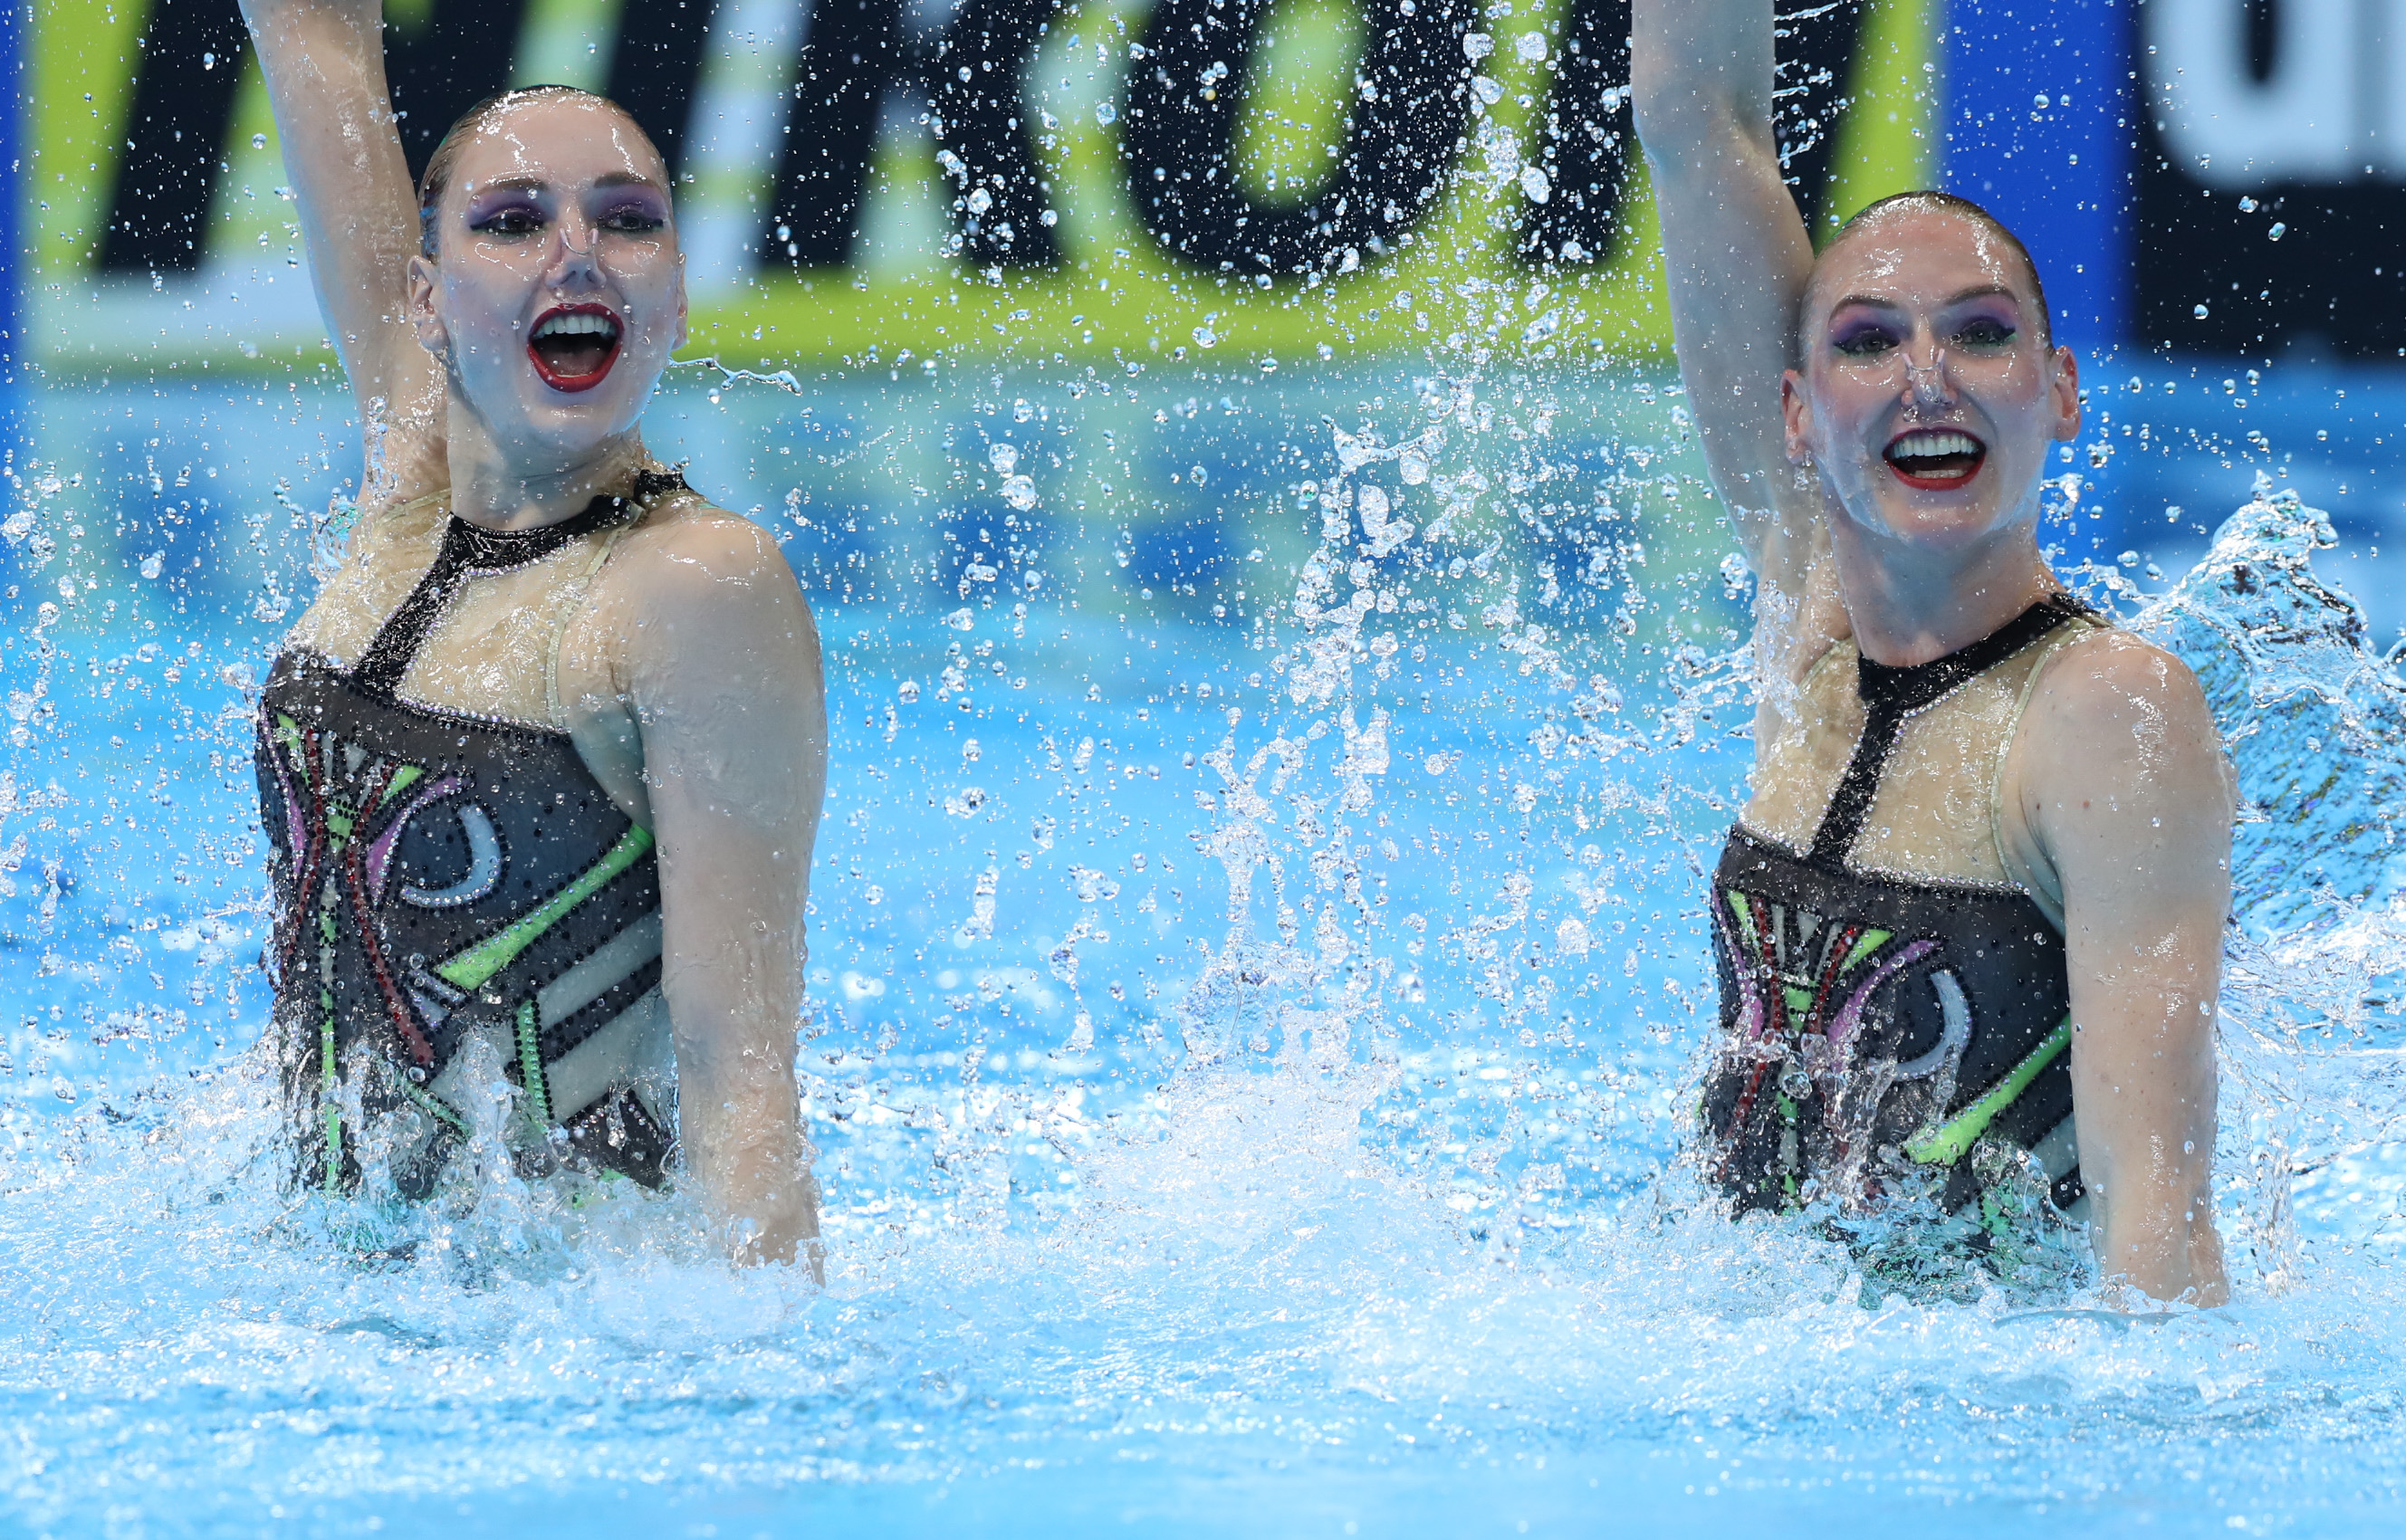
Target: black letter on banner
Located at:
point(851, 55)
point(656, 65)
point(987, 129)
point(1587, 133)
point(1817, 66)
point(181, 114)
point(1587, 136)
point(1180, 135)
point(166, 180)
point(440, 69)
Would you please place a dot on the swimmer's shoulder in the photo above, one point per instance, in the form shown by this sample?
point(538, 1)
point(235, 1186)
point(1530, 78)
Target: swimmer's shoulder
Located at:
point(689, 573)
point(685, 544)
point(2106, 696)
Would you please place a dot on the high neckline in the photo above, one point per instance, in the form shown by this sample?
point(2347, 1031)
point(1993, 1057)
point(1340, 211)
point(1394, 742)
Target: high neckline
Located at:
point(486, 548)
point(1910, 686)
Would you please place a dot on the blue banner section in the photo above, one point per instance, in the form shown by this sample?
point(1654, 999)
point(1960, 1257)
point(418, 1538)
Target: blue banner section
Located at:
point(2035, 126)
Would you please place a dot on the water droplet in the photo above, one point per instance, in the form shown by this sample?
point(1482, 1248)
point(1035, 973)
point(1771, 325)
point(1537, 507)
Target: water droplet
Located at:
point(1476, 46)
point(2277, 231)
point(1106, 114)
point(2200, 312)
point(1532, 45)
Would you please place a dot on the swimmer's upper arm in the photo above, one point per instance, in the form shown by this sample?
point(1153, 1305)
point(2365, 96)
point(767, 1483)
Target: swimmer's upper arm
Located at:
point(722, 669)
point(323, 61)
point(2127, 799)
point(1737, 256)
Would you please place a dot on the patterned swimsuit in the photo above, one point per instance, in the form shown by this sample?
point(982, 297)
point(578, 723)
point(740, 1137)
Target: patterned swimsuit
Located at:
point(1880, 1031)
point(442, 879)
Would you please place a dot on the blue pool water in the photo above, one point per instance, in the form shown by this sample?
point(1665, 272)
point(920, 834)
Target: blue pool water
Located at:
point(1350, 1209)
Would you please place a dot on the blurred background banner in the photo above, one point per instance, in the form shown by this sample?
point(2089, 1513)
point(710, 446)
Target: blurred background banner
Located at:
point(866, 179)
point(2038, 102)
point(862, 179)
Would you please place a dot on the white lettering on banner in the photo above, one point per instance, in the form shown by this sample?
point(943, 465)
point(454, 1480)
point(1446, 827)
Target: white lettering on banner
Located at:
point(2315, 117)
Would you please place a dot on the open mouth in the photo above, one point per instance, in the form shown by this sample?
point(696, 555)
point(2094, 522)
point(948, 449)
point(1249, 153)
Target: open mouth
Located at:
point(574, 345)
point(1935, 459)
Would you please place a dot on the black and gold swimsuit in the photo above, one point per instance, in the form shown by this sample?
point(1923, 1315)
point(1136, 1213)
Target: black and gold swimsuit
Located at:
point(1884, 1029)
point(444, 879)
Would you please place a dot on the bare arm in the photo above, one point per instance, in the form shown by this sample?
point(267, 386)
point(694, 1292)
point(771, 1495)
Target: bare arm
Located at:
point(1738, 258)
point(324, 64)
point(2125, 789)
point(724, 675)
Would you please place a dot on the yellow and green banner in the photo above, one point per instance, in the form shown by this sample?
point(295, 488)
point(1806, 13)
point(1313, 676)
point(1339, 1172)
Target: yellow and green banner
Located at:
point(865, 186)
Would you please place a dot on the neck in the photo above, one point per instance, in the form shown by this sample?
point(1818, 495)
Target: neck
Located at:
point(497, 488)
point(1909, 606)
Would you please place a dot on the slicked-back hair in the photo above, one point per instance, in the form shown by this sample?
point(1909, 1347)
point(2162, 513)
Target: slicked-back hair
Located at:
point(1926, 198)
point(439, 165)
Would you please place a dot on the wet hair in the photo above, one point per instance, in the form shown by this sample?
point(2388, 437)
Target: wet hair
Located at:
point(439, 165)
point(1946, 202)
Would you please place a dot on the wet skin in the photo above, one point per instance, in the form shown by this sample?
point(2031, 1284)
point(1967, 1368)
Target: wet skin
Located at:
point(1921, 325)
point(558, 206)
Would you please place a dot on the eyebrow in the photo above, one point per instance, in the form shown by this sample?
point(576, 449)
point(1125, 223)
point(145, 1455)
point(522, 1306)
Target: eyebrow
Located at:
point(1980, 292)
point(537, 184)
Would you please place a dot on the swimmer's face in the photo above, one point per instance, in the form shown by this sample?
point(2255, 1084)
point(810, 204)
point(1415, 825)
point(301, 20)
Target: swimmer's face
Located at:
point(556, 292)
point(1927, 398)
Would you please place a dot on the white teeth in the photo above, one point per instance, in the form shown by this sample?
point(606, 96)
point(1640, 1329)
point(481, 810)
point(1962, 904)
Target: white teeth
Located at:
point(576, 324)
point(1931, 443)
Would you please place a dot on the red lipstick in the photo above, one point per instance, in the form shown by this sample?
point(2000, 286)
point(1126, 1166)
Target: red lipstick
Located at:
point(574, 345)
point(1935, 459)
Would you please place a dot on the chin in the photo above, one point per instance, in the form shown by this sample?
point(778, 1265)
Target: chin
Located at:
point(553, 428)
point(1957, 523)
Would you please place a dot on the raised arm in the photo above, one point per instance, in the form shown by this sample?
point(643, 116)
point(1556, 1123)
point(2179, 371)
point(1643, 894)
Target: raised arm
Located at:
point(324, 64)
point(2125, 791)
point(1737, 254)
point(728, 694)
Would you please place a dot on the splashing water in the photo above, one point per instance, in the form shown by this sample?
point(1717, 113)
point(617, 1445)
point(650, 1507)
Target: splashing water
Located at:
point(1257, 1006)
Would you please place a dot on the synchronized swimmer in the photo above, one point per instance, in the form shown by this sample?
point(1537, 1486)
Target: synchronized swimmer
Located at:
point(1970, 922)
point(542, 765)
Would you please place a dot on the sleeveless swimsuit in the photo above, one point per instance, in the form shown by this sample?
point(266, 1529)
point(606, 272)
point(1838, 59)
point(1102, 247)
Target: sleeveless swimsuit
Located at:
point(1882, 1032)
point(442, 878)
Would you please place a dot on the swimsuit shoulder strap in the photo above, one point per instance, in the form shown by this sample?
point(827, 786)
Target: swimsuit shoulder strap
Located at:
point(650, 488)
point(389, 652)
point(1892, 694)
point(468, 548)
point(564, 609)
point(2079, 626)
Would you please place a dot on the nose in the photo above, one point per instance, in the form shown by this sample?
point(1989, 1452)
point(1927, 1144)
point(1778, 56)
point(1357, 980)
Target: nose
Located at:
point(574, 259)
point(1925, 385)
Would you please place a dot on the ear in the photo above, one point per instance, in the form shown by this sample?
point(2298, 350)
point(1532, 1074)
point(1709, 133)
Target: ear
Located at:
point(2066, 394)
point(420, 302)
point(1797, 414)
